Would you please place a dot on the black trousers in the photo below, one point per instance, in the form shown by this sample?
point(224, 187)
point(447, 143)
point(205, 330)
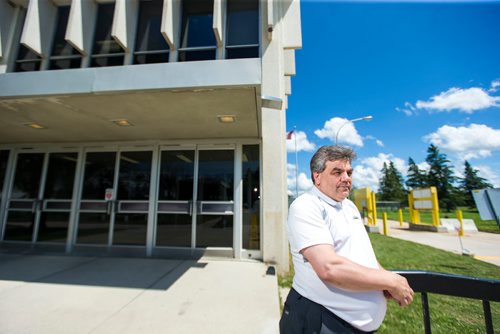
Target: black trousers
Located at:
point(301, 315)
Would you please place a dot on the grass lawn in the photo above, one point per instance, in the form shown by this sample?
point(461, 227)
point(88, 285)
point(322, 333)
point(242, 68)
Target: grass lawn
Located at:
point(449, 315)
point(426, 218)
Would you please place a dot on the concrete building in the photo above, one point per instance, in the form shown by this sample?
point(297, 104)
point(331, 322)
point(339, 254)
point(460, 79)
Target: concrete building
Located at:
point(146, 127)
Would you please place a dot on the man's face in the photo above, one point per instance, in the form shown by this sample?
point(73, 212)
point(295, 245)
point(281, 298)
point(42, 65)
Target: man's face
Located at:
point(335, 181)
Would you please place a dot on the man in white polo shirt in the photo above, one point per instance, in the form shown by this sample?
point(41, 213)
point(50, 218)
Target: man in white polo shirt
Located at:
point(338, 287)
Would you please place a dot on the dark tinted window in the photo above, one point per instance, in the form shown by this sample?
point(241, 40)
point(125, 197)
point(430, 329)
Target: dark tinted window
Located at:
point(106, 51)
point(63, 54)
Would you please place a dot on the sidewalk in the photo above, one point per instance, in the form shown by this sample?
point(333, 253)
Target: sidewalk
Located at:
point(50, 294)
point(483, 246)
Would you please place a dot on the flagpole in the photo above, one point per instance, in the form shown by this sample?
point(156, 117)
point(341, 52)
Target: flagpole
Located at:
point(296, 164)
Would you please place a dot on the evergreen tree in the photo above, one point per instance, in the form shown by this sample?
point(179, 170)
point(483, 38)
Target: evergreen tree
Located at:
point(471, 181)
point(416, 178)
point(441, 176)
point(391, 184)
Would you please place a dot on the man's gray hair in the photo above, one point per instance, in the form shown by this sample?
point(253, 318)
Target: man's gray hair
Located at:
point(330, 153)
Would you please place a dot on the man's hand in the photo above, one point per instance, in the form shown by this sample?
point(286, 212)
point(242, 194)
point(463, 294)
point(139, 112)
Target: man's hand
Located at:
point(401, 292)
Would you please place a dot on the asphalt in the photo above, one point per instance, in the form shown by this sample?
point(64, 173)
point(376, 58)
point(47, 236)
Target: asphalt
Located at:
point(51, 293)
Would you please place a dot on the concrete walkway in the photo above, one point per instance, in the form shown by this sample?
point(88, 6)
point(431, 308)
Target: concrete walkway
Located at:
point(483, 246)
point(67, 294)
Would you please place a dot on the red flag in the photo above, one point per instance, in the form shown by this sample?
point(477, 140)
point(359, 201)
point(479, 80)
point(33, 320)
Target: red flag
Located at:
point(289, 135)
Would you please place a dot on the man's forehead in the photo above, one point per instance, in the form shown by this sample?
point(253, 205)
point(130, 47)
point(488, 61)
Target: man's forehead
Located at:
point(343, 164)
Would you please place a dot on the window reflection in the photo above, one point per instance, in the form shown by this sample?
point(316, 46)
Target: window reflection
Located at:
point(198, 39)
point(4, 159)
point(60, 176)
point(135, 173)
point(150, 45)
point(106, 51)
point(251, 196)
point(63, 55)
point(216, 175)
point(242, 39)
point(99, 174)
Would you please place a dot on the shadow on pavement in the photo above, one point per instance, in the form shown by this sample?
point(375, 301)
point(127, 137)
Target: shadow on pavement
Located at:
point(140, 273)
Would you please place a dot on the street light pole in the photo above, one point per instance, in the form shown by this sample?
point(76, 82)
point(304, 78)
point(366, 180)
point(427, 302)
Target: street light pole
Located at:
point(365, 118)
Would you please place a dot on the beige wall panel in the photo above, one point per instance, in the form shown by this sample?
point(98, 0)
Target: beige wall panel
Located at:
point(218, 24)
point(124, 18)
point(171, 22)
point(289, 56)
point(292, 32)
point(41, 15)
point(81, 25)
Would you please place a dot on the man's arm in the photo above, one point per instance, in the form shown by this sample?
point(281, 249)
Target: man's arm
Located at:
point(345, 274)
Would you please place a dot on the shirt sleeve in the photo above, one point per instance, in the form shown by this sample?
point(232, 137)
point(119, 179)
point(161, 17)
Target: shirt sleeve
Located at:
point(306, 225)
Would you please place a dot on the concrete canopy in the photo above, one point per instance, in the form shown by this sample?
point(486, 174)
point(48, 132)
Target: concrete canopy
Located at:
point(161, 101)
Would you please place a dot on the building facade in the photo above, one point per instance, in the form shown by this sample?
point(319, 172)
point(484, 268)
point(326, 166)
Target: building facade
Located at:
point(146, 127)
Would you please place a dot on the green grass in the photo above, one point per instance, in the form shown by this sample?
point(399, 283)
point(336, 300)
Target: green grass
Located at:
point(449, 315)
point(426, 218)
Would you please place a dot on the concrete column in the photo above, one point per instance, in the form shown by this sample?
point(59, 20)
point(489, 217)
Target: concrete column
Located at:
point(273, 123)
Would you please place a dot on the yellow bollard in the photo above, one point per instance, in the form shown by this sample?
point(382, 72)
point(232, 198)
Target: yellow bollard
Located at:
point(384, 215)
point(400, 218)
point(460, 220)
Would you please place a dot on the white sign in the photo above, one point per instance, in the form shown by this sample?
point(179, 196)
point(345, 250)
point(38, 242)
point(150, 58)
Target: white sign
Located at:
point(453, 225)
point(424, 204)
point(422, 193)
point(108, 195)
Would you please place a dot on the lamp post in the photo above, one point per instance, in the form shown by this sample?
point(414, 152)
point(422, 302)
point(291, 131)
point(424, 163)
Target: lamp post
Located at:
point(365, 118)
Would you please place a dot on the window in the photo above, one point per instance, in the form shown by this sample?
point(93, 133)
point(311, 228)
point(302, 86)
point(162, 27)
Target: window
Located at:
point(150, 46)
point(63, 55)
point(106, 51)
point(198, 39)
point(251, 196)
point(27, 60)
point(242, 38)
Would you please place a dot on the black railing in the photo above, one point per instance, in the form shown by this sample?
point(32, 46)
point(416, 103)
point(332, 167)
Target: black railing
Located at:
point(487, 290)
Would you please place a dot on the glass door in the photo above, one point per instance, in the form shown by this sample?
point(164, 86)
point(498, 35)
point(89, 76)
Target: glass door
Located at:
point(214, 198)
point(175, 199)
point(39, 206)
point(114, 203)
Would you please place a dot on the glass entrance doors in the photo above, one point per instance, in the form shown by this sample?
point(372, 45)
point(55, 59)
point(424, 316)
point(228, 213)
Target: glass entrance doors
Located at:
point(114, 204)
point(155, 198)
point(39, 206)
point(195, 198)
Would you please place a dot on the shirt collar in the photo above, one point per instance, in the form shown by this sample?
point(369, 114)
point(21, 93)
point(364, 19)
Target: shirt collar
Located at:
point(315, 191)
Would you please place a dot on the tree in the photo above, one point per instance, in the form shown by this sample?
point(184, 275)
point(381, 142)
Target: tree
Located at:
point(441, 176)
point(391, 184)
point(472, 181)
point(416, 178)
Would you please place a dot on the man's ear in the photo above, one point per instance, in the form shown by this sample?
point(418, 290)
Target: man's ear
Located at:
point(316, 178)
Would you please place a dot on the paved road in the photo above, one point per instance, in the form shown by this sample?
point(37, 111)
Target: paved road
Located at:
point(483, 246)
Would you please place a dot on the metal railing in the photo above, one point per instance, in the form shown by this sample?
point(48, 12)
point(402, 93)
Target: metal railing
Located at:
point(487, 290)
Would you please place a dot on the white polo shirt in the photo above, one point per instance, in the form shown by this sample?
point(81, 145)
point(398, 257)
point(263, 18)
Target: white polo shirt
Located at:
point(316, 219)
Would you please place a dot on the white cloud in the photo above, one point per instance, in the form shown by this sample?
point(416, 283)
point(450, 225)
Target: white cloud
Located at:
point(347, 135)
point(367, 171)
point(489, 174)
point(474, 141)
point(408, 109)
point(303, 183)
point(379, 143)
point(303, 144)
point(465, 100)
point(494, 86)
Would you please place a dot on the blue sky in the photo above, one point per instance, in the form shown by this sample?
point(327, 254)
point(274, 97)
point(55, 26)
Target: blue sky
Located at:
point(428, 72)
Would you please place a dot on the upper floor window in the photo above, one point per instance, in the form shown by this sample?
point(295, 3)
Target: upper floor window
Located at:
point(27, 60)
point(106, 51)
point(63, 55)
point(198, 39)
point(150, 46)
point(242, 38)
